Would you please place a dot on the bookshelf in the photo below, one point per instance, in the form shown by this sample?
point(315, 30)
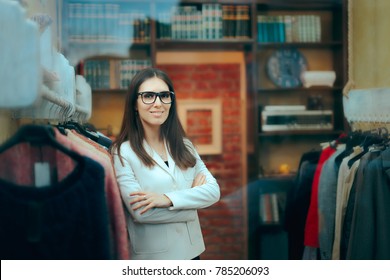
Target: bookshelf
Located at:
point(112, 74)
point(316, 31)
point(267, 202)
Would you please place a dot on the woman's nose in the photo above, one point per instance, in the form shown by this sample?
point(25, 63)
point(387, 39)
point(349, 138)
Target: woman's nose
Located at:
point(157, 102)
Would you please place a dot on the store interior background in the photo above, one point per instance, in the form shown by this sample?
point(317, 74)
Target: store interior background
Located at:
point(222, 75)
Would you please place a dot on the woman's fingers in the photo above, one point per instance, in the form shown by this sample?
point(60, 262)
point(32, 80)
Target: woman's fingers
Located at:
point(137, 198)
point(148, 201)
point(142, 203)
point(199, 180)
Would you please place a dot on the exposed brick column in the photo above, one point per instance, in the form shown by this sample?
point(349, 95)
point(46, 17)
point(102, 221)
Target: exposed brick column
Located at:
point(223, 223)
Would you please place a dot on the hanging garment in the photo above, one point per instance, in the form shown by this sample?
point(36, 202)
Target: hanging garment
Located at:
point(327, 188)
point(344, 184)
point(297, 204)
point(311, 226)
point(49, 218)
point(369, 238)
point(349, 216)
point(85, 146)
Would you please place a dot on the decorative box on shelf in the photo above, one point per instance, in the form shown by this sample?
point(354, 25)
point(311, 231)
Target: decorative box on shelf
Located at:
point(318, 78)
point(293, 118)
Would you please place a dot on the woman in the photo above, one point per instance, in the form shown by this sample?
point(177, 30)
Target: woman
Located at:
point(162, 179)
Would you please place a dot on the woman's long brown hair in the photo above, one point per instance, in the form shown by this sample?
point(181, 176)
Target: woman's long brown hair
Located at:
point(171, 130)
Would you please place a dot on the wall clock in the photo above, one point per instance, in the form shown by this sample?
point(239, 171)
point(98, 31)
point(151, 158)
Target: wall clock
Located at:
point(284, 67)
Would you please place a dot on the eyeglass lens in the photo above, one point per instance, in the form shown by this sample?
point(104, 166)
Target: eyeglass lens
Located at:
point(150, 97)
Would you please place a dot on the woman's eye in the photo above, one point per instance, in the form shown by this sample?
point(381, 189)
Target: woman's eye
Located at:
point(149, 95)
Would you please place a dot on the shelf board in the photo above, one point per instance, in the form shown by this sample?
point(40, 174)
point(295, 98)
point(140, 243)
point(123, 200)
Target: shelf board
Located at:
point(221, 44)
point(302, 5)
point(310, 89)
point(242, 2)
point(320, 45)
point(109, 91)
point(300, 133)
point(277, 176)
point(109, 42)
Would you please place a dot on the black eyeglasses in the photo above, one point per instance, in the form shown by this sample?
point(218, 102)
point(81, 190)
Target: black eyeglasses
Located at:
point(149, 97)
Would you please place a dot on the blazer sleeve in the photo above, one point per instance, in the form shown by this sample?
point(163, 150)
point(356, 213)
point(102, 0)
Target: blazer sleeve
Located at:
point(197, 197)
point(128, 183)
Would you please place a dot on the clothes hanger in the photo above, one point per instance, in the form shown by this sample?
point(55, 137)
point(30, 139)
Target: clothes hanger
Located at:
point(79, 128)
point(96, 136)
point(353, 139)
point(39, 135)
point(372, 137)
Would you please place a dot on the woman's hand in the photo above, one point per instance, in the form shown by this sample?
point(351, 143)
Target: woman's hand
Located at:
point(199, 180)
point(149, 200)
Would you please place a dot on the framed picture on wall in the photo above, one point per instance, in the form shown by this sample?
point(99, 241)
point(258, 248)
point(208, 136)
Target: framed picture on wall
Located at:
point(202, 122)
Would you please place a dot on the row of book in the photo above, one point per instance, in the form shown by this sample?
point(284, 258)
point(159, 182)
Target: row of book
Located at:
point(112, 73)
point(111, 23)
point(270, 207)
point(213, 21)
point(88, 22)
point(288, 28)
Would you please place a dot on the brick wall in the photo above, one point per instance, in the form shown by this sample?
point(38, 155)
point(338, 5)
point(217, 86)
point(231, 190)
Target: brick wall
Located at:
point(223, 224)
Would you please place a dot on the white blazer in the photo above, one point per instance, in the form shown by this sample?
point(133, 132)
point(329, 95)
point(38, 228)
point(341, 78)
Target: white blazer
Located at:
point(164, 233)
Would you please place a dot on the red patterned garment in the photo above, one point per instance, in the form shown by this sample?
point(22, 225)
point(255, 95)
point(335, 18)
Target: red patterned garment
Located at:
point(312, 225)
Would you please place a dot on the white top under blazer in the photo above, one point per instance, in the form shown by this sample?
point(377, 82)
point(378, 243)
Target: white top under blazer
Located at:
point(172, 233)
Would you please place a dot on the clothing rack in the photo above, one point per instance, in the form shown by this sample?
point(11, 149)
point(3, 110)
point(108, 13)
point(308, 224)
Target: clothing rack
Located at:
point(38, 82)
point(51, 106)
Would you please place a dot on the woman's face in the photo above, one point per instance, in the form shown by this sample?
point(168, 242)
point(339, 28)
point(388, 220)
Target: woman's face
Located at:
point(155, 114)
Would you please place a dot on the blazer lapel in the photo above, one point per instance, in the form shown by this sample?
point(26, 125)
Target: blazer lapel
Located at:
point(171, 164)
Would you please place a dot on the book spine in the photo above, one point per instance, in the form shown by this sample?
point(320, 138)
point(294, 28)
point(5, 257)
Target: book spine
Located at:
point(288, 28)
point(212, 21)
point(72, 22)
point(246, 22)
point(265, 208)
point(302, 28)
point(225, 21)
point(107, 74)
point(270, 28)
point(100, 22)
point(317, 28)
point(168, 25)
point(78, 24)
point(92, 22)
point(205, 21)
point(275, 208)
point(260, 29)
point(295, 29)
point(122, 76)
point(114, 76)
point(281, 27)
point(219, 21)
point(233, 18)
point(238, 22)
point(174, 23)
